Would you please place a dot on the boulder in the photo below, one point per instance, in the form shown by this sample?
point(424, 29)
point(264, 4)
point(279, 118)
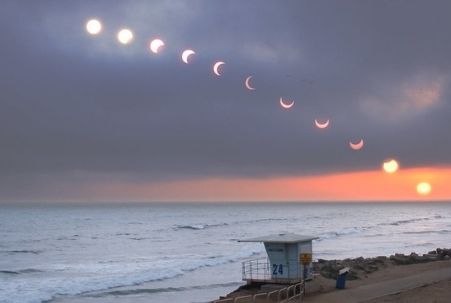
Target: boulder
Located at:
point(401, 259)
point(371, 268)
point(380, 259)
point(329, 270)
point(431, 257)
point(352, 275)
point(418, 259)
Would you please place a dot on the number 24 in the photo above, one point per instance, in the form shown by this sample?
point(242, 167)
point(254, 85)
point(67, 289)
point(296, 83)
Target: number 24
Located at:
point(277, 269)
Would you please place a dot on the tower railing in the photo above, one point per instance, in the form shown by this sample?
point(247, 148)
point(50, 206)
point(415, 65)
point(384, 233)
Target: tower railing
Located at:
point(256, 270)
point(290, 294)
point(260, 270)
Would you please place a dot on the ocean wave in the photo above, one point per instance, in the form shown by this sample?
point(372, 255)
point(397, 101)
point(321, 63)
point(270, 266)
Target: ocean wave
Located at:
point(66, 238)
point(29, 270)
point(124, 234)
point(442, 231)
point(139, 238)
point(234, 223)
point(407, 221)
point(23, 251)
point(424, 244)
point(138, 291)
point(356, 230)
point(343, 232)
point(376, 235)
point(9, 272)
point(110, 275)
point(198, 226)
point(20, 271)
point(264, 220)
point(201, 226)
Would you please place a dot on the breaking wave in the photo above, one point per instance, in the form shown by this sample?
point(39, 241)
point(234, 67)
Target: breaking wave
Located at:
point(201, 226)
point(160, 290)
point(21, 271)
point(407, 221)
point(23, 251)
point(198, 226)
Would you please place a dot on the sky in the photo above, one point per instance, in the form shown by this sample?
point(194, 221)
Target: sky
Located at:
point(85, 118)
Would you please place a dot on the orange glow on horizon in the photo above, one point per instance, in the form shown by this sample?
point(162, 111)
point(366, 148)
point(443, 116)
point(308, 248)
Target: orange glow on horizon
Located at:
point(353, 186)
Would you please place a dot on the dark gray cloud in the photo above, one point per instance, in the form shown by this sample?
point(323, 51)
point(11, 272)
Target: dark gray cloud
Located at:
point(72, 104)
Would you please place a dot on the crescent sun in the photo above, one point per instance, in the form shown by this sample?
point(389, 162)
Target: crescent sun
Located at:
point(155, 45)
point(356, 146)
point(285, 105)
point(186, 54)
point(216, 67)
point(247, 83)
point(322, 125)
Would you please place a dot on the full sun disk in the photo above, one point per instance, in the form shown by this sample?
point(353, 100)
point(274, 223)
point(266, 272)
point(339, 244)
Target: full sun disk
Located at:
point(93, 27)
point(424, 188)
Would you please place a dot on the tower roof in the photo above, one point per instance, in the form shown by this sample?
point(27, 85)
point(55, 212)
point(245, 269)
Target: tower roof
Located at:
point(281, 238)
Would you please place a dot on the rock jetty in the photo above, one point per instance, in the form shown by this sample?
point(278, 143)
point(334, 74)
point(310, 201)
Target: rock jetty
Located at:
point(363, 266)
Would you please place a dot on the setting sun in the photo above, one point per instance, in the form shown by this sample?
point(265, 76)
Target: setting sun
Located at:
point(390, 166)
point(424, 188)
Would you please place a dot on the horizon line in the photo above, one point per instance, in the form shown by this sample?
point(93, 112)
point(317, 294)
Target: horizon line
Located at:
point(212, 202)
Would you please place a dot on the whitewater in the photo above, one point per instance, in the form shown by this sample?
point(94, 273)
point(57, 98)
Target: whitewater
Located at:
point(187, 252)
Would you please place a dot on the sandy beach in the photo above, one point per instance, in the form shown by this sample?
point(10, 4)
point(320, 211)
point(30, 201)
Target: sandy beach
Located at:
point(439, 292)
point(426, 282)
point(398, 278)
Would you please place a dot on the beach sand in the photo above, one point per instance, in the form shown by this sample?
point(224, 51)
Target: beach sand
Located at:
point(425, 282)
point(439, 292)
point(414, 283)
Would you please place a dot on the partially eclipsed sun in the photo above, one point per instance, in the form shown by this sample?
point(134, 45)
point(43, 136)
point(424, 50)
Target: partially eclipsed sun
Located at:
point(216, 68)
point(424, 188)
point(155, 45)
point(356, 146)
point(390, 166)
point(284, 104)
point(186, 54)
point(322, 125)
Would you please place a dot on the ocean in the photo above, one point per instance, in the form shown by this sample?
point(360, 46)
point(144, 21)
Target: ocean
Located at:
point(187, 252)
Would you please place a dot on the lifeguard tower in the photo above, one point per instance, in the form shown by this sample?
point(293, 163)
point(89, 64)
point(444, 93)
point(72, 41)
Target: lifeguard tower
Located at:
point(289, 260)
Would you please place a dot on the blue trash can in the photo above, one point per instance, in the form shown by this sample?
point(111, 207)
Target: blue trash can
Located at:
point(341, 279)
